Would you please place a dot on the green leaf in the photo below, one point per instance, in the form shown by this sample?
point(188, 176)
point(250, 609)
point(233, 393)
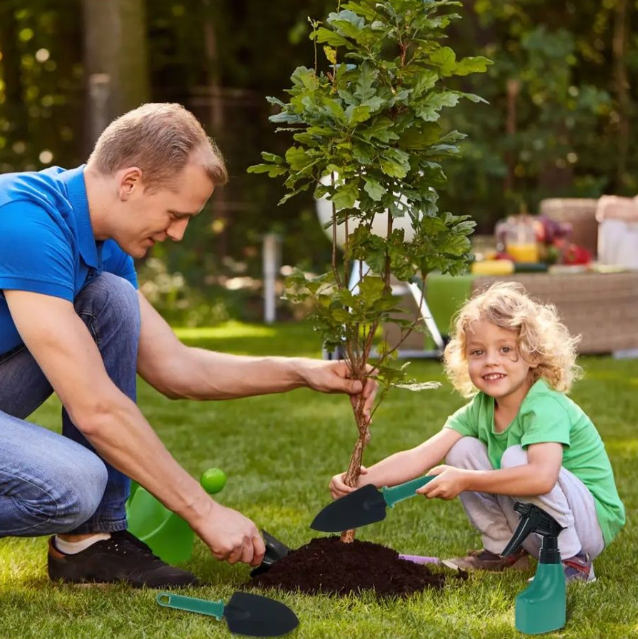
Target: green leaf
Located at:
point(469, 65)
point(443, 99)
point(297, 158)
point(357, 114)
point(305, 138)
point(379, 129)
point(304, 77)
point(457, 245)
point(445, 59)
point(271, 169)
point(330, 37)
point(362, 153)
point(362, 9)
point(272, 157)
point(345, 196)
point(374, 103)
point(289, 196)
point(333, 109)
point(473, 98)
point(341, 315)
point(373, 188)
point(425, 81)
point(395, 163)
point(392, 168)
point(365, 82)
point(452, 137)
point(428, 111)
point(371, 288)
point(420, 137)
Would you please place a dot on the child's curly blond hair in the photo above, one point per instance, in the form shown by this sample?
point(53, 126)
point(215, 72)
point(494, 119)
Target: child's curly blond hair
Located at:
point(543, 340)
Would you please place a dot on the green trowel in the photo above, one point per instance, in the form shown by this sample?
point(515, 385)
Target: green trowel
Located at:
point(364, 506)
point(245, 613)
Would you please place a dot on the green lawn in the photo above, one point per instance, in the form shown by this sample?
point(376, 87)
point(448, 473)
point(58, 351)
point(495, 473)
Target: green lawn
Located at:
point(279, 453)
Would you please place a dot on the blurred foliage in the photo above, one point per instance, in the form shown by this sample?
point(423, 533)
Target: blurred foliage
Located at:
point(569, 119)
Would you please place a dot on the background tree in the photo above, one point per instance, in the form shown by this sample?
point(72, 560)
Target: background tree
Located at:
point(571, 141)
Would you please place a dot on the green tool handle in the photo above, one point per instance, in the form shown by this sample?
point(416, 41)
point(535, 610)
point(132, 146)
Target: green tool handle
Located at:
point(404, 491)
point(190, 604)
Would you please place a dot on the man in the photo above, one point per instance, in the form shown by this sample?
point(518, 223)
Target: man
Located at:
point(73, 323)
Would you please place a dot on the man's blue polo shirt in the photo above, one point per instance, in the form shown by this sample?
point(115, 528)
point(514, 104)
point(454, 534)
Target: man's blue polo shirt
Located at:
point(47, 243)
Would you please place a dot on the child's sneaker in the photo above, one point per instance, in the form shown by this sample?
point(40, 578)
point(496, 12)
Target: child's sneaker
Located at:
point(486, 560)
point(579, 568)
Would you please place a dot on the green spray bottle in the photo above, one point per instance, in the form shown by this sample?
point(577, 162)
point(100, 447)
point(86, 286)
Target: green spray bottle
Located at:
point(543, 606)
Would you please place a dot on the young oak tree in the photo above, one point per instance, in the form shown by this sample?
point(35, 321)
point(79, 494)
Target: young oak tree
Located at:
point(367, 137)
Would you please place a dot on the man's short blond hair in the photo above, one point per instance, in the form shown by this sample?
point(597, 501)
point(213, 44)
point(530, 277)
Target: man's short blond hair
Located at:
point(160, 139)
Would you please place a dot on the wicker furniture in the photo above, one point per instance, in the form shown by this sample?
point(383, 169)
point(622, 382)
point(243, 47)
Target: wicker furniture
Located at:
point(601, 307)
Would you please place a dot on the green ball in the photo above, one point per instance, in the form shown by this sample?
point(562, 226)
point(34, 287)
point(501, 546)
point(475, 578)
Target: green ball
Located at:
point(213, 480)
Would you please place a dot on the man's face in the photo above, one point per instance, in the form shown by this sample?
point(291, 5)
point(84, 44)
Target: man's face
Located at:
point(153, 215)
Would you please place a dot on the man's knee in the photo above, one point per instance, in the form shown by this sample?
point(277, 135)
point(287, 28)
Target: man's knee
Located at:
point(81, 493)
point(514, 456)
point(463, 451)
point(58, 508)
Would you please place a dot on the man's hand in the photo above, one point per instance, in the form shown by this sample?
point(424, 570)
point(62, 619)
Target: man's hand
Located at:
point(449, 483)
point(230, 536)
point(333, 377)
point(338, 487)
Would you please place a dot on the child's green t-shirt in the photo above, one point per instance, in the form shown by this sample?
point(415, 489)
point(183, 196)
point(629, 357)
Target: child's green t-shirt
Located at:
point(549, 416)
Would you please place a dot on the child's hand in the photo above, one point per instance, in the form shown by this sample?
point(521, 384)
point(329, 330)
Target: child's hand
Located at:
point(339, 489)
point(449, 483)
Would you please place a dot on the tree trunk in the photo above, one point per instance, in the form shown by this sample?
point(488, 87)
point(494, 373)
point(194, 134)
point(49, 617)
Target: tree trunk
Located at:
point(354, 469)
point(513, 90)
point(115, 60)
point(621, 82)
point(217, 121)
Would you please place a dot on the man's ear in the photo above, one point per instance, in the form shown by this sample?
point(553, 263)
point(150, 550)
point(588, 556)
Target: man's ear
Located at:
point(130, 182)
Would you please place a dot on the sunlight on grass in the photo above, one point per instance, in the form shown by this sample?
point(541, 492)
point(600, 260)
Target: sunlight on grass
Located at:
point(230, 329)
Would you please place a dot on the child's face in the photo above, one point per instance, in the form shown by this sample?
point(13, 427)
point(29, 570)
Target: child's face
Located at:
point(495, 364)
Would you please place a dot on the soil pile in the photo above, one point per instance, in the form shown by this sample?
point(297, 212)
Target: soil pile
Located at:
point(327, 566)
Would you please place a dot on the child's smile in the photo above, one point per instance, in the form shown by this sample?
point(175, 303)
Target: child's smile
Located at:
point(495, 364)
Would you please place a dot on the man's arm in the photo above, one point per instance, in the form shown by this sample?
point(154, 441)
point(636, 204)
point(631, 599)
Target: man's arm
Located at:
point(182, 372)
point(66, 353)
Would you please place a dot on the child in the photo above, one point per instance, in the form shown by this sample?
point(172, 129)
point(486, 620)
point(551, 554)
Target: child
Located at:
point(519, 439)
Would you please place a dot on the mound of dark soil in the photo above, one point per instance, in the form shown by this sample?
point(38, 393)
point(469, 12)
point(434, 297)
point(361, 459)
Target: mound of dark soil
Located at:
point(327, 566)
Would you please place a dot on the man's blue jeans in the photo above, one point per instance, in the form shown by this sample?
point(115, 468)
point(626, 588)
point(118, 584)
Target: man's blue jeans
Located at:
point(51, 483)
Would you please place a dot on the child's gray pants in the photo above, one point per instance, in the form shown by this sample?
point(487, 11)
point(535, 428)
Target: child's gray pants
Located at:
point(569, 502)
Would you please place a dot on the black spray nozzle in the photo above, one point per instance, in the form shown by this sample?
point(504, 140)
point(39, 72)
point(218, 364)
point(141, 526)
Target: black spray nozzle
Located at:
point(533, 519)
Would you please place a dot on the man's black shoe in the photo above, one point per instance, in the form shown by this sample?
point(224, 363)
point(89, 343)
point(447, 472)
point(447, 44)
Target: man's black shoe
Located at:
point(122, 558)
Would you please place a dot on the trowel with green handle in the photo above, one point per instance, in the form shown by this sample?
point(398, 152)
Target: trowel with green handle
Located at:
point(364, 506)
point(245, 613)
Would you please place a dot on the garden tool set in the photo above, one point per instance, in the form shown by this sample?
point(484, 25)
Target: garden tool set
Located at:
point(540, 608)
